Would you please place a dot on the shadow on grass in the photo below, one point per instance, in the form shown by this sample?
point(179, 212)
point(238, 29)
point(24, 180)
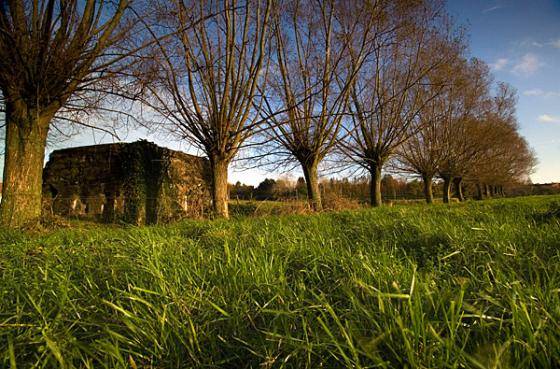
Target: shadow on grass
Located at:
point(551, 215)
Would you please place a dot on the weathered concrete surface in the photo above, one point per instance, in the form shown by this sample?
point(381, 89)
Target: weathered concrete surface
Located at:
point(137, 182)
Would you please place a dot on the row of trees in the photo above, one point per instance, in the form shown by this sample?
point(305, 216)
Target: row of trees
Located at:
point(357, 189)
point(370, 83)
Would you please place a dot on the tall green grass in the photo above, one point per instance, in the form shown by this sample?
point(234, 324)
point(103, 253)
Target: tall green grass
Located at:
point(473, 285)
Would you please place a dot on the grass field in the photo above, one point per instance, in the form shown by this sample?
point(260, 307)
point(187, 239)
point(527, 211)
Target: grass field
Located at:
point(473, 285)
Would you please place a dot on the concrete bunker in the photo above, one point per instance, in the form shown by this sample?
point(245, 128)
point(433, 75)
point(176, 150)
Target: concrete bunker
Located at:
point(138, 183)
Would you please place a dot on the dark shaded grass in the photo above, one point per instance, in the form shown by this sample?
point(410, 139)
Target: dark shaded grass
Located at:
point(472, 285)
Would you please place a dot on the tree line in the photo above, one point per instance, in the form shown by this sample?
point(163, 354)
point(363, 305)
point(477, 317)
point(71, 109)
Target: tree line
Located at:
point(323, 85)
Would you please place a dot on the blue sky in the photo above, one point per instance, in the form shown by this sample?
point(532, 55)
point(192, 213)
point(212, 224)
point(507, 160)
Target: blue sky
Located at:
point(520, 40)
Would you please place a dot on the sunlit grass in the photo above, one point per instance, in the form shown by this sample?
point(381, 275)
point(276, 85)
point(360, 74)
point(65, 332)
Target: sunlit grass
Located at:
point(472, 285)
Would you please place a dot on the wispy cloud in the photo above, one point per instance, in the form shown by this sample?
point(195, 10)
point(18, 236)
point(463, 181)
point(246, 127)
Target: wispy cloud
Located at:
point(539, 92)
point(545, 118)
point(499, 64)
point(491, 9)
point(527, 65)
point(555, 43)
point(528, 43)
point(533, 92)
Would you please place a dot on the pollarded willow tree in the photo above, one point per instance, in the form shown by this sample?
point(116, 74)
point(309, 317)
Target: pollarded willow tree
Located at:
point(52, 53)
point(310, 78)
point(462, 131)
point(421, 154)
point(207, 77)
point(391, 92)
point(505, 157)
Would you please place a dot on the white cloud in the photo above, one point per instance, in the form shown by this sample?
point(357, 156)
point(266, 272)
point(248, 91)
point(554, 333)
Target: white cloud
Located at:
point(499, 64)
point(539, 92)
point(555, 43)
point(528, 43)
point(491, 9)
point(533, 92)
point(527, 65)
point(545, 118)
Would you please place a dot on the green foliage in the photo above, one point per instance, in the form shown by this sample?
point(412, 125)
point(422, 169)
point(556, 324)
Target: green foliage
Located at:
point(472, 285)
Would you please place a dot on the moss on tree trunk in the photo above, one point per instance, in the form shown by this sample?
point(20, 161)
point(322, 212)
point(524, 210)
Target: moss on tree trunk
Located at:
point(26, 137)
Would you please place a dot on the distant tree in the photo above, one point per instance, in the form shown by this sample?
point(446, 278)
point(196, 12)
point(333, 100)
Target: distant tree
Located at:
point(265, 189)
point(241, 191)
point(505, 158)
point(389, 186)
point(52, 55)
point(301, 187)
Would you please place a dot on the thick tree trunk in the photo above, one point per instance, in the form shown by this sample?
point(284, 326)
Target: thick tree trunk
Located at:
point(375, 186)
point(312, 182)
point(428, 192)
point(458, 184)
point(25, 142)
point(446, 190)
point(220, 195)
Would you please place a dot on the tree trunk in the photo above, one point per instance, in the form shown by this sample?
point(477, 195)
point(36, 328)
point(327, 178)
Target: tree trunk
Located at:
point(446, 189)
point(479, 195)
point(428, 193)
point(25, 142)
point(375, 186)
point(312, 182)
point(458, 184)
point(486, 191)
point(220, 196)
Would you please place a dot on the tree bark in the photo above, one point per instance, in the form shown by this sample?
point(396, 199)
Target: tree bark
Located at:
point(479, 195)
point(312, 182)
point(428, 192)
point(220, 195)
point(487, 191)
point(25, 142)
point(375, 186)
point(458, 184)
point(446, 189)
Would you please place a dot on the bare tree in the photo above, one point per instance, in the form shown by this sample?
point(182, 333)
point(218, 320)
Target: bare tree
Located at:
point(310, 79)
point(51, 53)
point(460, 129)
point(420, 154)
point(391, 92)
point(208, 74)
point(506, 157)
